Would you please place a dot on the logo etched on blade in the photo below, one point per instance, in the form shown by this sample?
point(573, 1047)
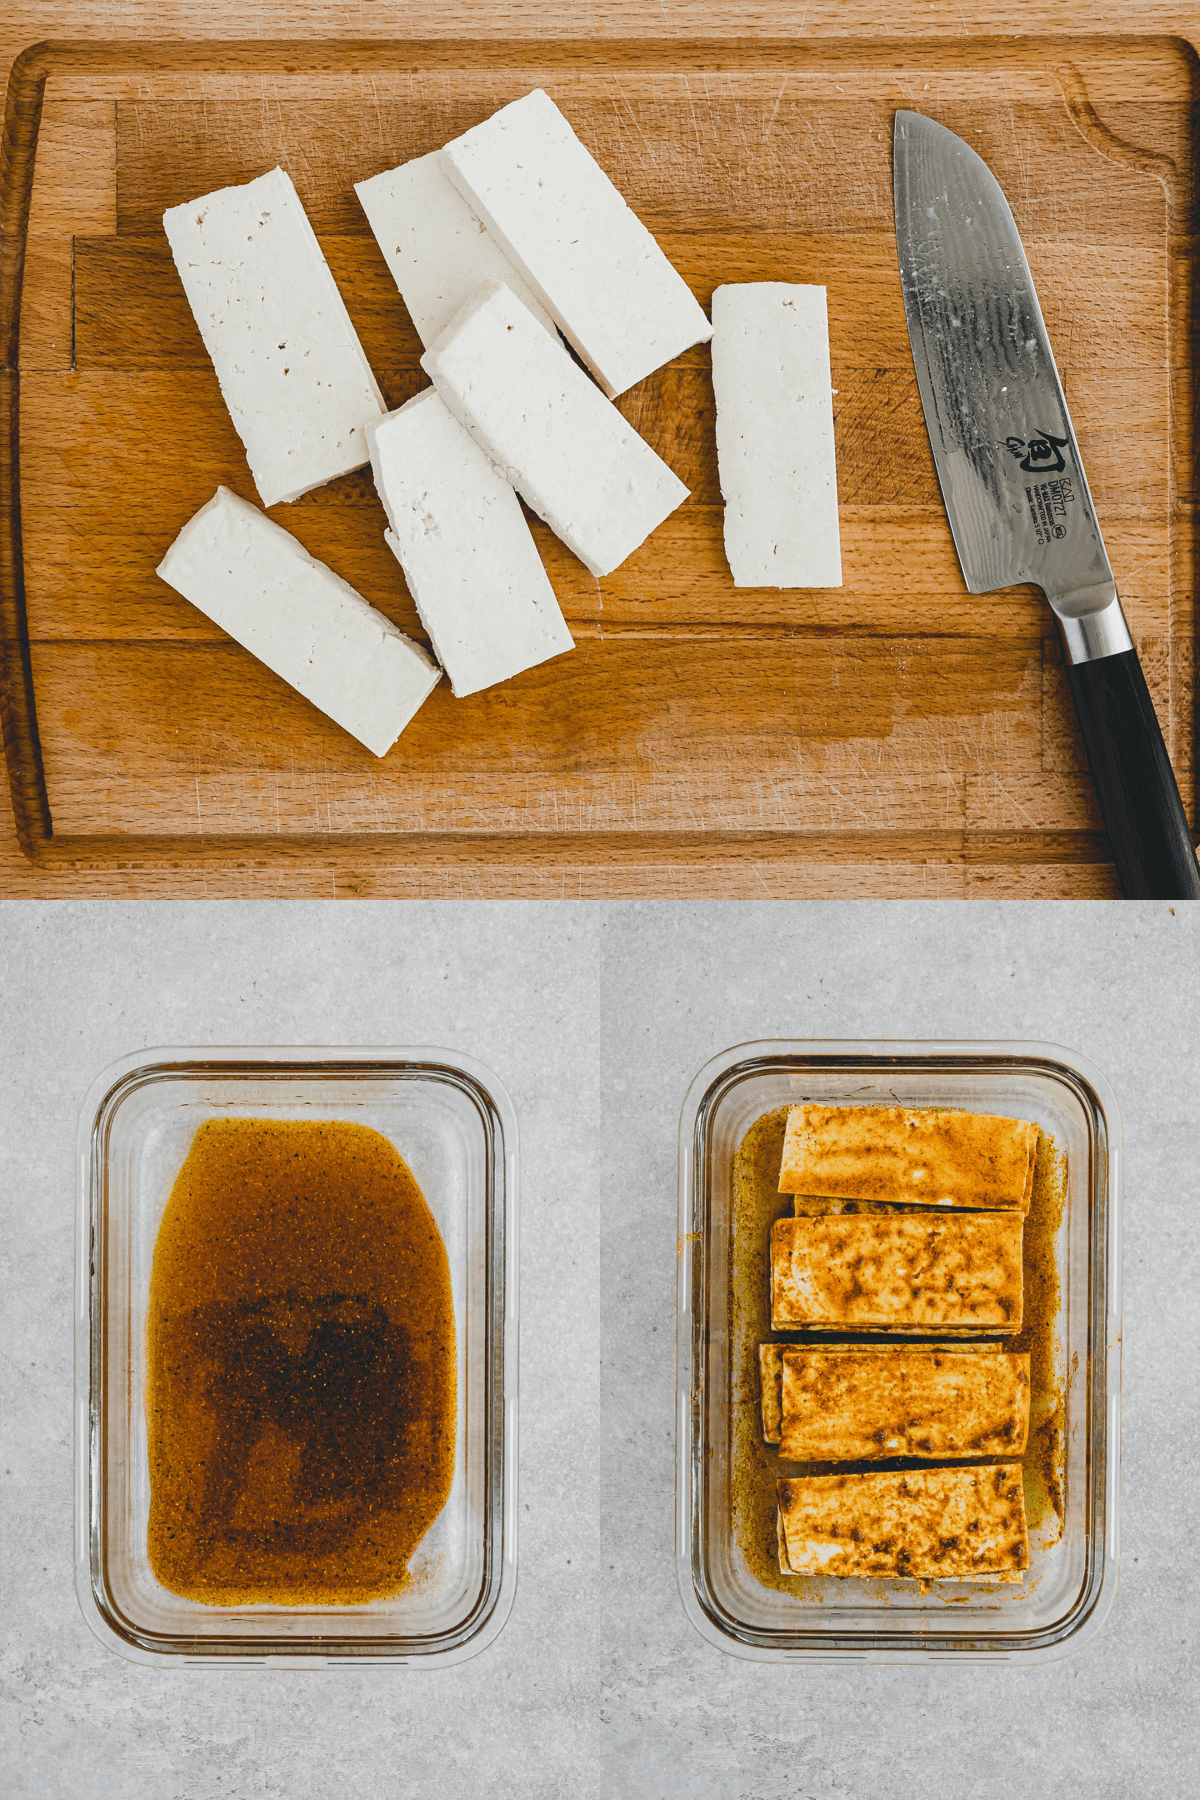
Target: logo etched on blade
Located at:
point(1040, 454)
point(1048, 502)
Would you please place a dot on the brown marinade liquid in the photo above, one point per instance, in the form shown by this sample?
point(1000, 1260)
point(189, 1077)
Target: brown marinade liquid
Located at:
point(301, 1369)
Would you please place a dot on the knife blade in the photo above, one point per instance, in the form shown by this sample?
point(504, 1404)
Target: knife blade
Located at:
point(1013, 481)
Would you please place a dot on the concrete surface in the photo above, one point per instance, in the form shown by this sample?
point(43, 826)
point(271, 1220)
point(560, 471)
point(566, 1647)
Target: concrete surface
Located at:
point(596, 1017)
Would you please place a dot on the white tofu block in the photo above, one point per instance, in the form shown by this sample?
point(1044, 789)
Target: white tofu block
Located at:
point(587, 256)
point(438, 252)
point(554, 436)
point(458, 532)
point(770, 358)
point(254, 580)
point(292, 371)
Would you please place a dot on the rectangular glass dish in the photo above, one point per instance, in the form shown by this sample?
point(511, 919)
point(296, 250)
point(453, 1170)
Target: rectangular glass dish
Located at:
point(1069, 1587)
point(453, 1124)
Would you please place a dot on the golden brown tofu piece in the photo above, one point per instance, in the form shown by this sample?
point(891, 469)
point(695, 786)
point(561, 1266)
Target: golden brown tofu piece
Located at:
point(926, 1524)
point(862, 1402)
point(926, 1272)
point(770, 1374)
point(921, 1156)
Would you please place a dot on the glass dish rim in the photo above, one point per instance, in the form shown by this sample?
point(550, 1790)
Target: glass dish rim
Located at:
point(1104, 1338)
point(115, 1083)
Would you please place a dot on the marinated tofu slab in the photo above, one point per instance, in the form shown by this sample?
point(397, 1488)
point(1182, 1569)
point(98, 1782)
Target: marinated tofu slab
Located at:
point(923, 1156)
point(924, 1524)
point(865, 1402)
point(926, 1272)
point(770, 1376)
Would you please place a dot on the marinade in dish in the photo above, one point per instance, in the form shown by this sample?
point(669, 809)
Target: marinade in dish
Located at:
point(301, 1368)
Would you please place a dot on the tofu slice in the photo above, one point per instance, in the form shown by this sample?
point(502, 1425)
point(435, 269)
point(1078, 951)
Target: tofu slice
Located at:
point(257, 583)
point(785, 1567)
point(588, 257)
point(922, 1156)
point(921, 1524)
point(770, 1377)
point(856, 1404)
point(561, 444)
point(436, 248)
point(293, 374)
point(468, 557)
point(775, 450)
point(927, 1272)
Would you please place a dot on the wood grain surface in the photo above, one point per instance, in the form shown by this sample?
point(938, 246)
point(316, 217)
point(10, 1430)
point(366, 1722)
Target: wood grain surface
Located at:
point(895, 737)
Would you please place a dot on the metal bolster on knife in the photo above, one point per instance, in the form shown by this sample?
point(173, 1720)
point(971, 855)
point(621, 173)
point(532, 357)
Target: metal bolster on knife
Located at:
point(1092, 622)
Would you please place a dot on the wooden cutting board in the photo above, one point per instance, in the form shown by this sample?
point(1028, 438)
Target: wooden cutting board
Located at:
point(893, 737)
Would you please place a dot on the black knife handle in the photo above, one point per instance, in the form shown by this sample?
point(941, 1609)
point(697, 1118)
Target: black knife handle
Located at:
point(1143, 814)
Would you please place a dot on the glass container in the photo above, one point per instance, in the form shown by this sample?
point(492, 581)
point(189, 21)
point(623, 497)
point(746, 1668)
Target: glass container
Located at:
point(453, 1124)
point(1069, 1587)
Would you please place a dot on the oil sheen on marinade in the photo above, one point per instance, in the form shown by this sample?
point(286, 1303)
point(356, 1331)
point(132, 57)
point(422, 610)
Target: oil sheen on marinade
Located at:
point(755, 1465)
point(301, 1368)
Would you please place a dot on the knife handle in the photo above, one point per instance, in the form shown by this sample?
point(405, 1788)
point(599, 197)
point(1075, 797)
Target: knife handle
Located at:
point(1135, 784)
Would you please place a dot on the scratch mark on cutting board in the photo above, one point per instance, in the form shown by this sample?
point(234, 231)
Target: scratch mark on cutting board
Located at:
point(634, 123)
point(771, 121)
point(687, 88)
point(1003, 794)
point(1012, 119)
point(378, 113)
point(199, 813)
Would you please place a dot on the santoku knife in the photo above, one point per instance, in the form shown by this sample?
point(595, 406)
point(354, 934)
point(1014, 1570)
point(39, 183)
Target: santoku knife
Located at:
point(1014, 485)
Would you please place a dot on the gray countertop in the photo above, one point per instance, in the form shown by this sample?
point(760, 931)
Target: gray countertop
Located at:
point(596, 1017)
